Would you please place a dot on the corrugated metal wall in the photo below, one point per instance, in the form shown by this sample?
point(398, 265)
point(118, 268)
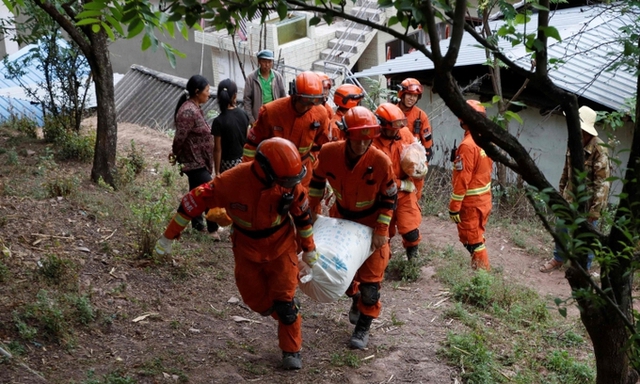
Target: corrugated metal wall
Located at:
point(149, 98)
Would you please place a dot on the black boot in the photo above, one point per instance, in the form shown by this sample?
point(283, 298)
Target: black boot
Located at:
point(354, 312)
point(412, 252)
point(360, 336)
point(291, 360)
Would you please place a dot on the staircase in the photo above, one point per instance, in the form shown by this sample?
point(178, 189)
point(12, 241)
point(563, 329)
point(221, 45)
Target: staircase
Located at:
point(351, 40)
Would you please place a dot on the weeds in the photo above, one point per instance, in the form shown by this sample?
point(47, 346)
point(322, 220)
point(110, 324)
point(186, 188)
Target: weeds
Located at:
point(404, 270)
point(149, 219)
point(55, 269)
point(61, 186)
point(116, 377)
point(12, 157)
point(345, 359)
point(129, 166)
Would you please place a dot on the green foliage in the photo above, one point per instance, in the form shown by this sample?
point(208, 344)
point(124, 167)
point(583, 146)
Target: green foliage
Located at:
point(130, 166)
point(75, 146)
point(168, 177)
point(149, 219)
point(82, 308)
point(4, 271)
point(12, 157)
point(469, 350)
point(399, 268)
point(478, 291)
point(116, 377)
point(345, 359)
point(21, 124)
point(55, 269)
point(61, 186)
point(566, 370)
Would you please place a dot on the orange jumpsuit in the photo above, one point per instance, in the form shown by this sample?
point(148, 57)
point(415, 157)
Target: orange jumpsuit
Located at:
point(471, 197)
point(263, 237)
point(365, 194)
point(422, 133)
point(335, 133)
point(407, 216)
point(279, 119)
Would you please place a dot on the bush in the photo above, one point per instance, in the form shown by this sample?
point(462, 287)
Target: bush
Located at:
point(478, 291)
point(74, 146)
point(21, 124)
point(61, 186)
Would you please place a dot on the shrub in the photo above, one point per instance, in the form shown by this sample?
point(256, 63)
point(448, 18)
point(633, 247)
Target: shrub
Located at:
point(74, 146)
point(21, 124)
point(61, 186)
point(477, 291)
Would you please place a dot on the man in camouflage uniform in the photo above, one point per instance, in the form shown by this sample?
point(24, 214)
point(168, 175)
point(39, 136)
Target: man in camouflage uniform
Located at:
point(596, 165)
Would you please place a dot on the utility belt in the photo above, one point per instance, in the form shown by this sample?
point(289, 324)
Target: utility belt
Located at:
point(306, 156)
point(355, 215)
point(262, 233)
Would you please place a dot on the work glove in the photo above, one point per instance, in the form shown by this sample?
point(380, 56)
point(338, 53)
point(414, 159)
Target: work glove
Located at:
point(163, 246)
point(421, 172)
point(407, 185)
point(310, 257)
point(454, 216)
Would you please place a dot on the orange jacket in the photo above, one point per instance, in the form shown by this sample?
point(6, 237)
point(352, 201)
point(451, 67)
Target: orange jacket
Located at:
point(393, 149)
point(335, 133)
point(471, 175)
point(260, 232)
point(279, 119)
point(365, 194)
point(423, 133)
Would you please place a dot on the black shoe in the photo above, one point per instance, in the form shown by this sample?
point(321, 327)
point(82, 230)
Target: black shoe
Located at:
point(354, 312)
point(291, 360)
point(412, 252)
point(360, 336)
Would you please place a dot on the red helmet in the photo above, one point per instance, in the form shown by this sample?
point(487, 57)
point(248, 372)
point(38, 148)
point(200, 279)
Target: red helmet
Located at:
point(391, 116)
point(410, 86)
point(475, 104)
point(348, 96)
point(308, 88)
point(359, 123)
point(280, 161)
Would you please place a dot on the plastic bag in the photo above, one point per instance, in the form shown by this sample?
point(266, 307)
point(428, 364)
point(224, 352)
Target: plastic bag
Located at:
point(219, 215)
point(343, 246)
point(413, 160)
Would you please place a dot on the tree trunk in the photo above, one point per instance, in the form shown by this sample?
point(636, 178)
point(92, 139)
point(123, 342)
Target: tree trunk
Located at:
point(104, 161)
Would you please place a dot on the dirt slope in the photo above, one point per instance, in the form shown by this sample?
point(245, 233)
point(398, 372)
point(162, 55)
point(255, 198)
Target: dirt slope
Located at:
point(190, 330)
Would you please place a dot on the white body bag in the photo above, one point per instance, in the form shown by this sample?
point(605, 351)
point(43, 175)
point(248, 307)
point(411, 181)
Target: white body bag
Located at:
point(343, 246)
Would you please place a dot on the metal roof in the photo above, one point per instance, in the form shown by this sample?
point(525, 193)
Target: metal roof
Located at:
point(588, 38)
point(149, 98)
point(10, 107)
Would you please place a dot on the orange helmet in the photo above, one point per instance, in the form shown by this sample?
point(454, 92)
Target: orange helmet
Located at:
point(348, 96)
point(308, 88)
point(410, 86)
point(280, 161)
point(327, 82)
point(359, 123)
point(391, 116)
point(475, 104)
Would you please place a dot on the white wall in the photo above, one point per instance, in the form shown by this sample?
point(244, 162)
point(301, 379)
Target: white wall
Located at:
point(544, 136)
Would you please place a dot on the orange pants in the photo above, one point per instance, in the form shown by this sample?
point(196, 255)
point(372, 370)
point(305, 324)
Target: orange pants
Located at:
point(407, 217)
point(474, 215)
point(372, 271)
point(260, 284)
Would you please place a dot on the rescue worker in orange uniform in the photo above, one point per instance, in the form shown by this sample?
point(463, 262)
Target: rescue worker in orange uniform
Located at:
point(261, 198)
point(300, 118)
point(327, 83)
point(417, 120)
point(363, 181)
point(470, 203)
point(345, 97)
point(407, 216)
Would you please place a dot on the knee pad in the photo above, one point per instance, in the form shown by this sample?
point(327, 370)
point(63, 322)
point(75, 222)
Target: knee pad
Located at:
point(287, 311)
point(472, 247)
point(411, 236)
point(369, 293)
